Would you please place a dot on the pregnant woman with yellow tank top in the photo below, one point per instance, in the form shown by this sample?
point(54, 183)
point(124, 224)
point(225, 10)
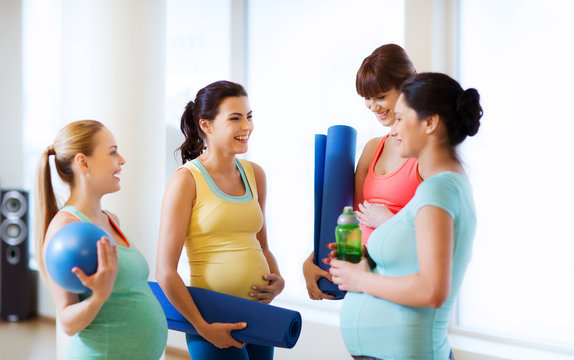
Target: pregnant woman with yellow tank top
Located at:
point(214, 207)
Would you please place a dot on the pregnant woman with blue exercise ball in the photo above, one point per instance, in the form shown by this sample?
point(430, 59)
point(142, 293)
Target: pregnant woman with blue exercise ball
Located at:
point(214, 206)
point(117, 317)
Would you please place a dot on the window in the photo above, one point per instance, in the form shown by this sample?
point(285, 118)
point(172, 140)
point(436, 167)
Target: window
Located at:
point(518, 284)
point(302, 61)
point(198, 49)
point(41, 89)
point(198, 53)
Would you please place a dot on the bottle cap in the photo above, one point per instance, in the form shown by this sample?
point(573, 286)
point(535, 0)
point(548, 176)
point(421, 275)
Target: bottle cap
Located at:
point(348, 217)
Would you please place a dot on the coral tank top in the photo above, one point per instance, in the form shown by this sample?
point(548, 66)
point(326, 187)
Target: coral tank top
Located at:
point(394, 190)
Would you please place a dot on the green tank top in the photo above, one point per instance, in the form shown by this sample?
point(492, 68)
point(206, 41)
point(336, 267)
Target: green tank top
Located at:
point(131, 323)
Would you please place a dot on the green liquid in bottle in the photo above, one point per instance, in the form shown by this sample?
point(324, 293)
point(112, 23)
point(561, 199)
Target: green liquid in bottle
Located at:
point(354, 258)
point(348, 236)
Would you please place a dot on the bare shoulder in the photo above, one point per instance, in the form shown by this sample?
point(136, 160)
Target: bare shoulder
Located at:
point(369, 151)
point(371, 146)
point(181, 186)
point(257, 169)
point(374, 141)
point(181, 180)
point(114, 217)
point(260, 180)
point(182, 176)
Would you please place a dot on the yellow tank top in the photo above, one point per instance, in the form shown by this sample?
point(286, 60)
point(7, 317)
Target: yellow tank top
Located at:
point(221, 245)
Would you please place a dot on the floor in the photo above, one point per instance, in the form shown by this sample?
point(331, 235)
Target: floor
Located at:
point(36, 340)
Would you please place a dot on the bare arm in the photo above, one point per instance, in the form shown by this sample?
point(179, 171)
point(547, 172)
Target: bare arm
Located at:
point(74, 315)
point(175, 214)
point(430, 287)
point(266, 293)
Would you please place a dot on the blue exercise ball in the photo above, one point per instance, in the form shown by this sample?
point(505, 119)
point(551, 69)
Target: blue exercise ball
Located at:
point(74, 245)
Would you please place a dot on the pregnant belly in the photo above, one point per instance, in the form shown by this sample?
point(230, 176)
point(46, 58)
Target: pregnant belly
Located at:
point(231, 272)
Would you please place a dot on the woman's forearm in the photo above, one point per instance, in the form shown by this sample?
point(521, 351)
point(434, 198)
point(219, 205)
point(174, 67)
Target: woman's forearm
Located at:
point(410, 290)
point(176, 291)
point(77, 316)
point(271, 262)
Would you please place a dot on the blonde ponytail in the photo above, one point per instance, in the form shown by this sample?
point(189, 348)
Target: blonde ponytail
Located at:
point(76, 137)
point(45, 205)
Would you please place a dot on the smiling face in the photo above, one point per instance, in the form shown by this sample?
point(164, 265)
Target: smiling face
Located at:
point(383, 105)
point(105, 163)
point(408, 130)
point(230, 130)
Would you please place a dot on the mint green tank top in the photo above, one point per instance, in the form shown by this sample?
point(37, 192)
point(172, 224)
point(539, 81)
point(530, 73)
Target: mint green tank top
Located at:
point(131, 323)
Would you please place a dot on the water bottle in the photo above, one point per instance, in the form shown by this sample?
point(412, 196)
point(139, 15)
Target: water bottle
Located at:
point(348, 236)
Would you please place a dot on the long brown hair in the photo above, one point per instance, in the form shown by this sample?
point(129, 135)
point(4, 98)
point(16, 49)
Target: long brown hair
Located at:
point(76, 137)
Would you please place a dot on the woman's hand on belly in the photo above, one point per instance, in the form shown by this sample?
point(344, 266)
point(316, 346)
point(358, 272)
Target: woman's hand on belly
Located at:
point(266, 293)
point(373, 215)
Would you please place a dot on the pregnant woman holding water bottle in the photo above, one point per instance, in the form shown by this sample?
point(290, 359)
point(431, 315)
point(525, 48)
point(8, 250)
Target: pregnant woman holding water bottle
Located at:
point(384, 182)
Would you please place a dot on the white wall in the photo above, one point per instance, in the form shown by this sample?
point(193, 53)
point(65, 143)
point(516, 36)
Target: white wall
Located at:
point(430, 34)
point(113, 53)
point(10, 94)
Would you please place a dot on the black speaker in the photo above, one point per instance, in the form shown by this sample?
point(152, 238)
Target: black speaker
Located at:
point(18, 283)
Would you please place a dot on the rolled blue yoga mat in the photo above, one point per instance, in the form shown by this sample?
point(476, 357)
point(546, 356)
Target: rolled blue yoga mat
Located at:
point(337, 188)
point(267, 325)
point(320, 148)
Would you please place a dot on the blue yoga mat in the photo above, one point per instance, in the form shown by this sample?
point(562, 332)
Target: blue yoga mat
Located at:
point(336, 185)
point(267, 325)
point(320, 148)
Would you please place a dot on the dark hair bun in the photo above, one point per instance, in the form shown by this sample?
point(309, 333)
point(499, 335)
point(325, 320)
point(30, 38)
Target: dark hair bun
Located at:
point(469, 109)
